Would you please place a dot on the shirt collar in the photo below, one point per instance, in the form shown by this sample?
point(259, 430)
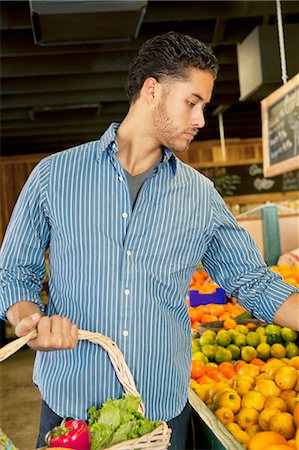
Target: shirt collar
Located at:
point(107, 140)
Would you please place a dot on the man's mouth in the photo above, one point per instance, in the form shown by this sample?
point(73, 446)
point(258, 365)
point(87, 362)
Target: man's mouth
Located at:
point(190, 134)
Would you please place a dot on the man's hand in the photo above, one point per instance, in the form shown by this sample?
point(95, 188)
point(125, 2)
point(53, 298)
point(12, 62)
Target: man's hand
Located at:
point(53, 333)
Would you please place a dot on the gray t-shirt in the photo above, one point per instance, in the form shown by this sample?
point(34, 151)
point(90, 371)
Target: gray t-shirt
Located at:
point(135, 182)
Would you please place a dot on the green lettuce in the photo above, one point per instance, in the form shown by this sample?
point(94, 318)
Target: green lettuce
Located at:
point(118, 420)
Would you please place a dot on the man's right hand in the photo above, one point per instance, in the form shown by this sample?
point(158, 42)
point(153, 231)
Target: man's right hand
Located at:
point(53, 333)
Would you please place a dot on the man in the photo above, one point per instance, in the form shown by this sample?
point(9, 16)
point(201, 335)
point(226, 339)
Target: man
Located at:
point(127, 223)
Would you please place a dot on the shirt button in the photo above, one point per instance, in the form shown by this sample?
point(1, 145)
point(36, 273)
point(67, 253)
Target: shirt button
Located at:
point(129, 253)
point(125, 332)
point(120, 178)
point(114, 145)
point(125, 215)
point(127, 291)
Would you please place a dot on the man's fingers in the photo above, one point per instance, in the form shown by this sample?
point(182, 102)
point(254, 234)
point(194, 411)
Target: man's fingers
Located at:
point(27, 324)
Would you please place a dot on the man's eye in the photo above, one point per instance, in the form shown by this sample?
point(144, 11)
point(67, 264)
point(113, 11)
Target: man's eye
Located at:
point(191, 104)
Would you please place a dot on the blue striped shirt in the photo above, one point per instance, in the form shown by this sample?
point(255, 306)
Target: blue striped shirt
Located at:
point(124, 272)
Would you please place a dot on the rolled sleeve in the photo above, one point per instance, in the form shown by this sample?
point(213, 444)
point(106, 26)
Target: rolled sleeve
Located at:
point(22, 265)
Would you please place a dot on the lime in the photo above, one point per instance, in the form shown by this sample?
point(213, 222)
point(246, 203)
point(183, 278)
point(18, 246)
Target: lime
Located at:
point(239, 339)
point(261, 331)
point(209, 351)
point(206, 339)
point(278, 351)
point(291, 350)
point(235, 350)
point(209, 333)
point(200, 356)
point(242, 329)
point(223, 338)
point(248, 353)
point(195, 346)
point(253, 338)
point(273, 329)
point(223, 354)
point(232, 332)
point(288, 334)
point(274, 339)
point(263, 351)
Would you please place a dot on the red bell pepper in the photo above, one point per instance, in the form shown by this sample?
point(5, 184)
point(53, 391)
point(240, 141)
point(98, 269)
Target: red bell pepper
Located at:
point(72, 434)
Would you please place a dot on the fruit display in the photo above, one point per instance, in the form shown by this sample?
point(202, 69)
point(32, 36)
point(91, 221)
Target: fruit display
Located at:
point(213, 312)
point(249, 378)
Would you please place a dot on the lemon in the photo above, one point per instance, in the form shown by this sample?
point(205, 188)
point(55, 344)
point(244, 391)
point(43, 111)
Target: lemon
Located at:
point(286, 377)
point(265, 416)
point(248, 353)
point(294, 362)
point(247, 417)
point(239, 434)
point(225, 415)
point(291, 350)
point(253, 339)
point(195, 346)
point(242, 384)
point(283, 424)
point(230, 399)
point(288, 334)
point(277, 403)
point(223, 338)
point(209, 351)
point(253, 399)
point(222, 354)
point(288, 393)
point(253, 429)
point(250, 370)
point(291, 404)
point(263, 351)
point(272, 367)
point(267, 388)
point(278, 351)
point(235, 350)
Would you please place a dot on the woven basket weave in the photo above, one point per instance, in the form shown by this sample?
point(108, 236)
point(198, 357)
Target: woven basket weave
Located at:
point(157, 439)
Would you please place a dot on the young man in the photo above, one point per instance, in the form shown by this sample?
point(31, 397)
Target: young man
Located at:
point(127, 223)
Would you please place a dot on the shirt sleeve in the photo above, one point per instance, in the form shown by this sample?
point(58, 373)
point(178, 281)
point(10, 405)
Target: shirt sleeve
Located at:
point(22, 265)
point(233, 260)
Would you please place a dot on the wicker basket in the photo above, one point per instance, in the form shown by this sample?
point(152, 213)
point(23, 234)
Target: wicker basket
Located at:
point(157, 439)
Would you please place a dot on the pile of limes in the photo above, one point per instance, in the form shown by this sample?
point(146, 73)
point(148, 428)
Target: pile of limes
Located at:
point(270, 341)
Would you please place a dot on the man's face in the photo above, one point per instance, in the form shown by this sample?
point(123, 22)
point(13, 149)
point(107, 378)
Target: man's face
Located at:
point(180, 111)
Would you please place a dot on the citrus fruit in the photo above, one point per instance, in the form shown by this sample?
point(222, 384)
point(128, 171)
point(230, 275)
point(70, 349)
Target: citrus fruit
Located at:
point(279, 447)
point(291, 405)
point(253, 338)
point(197, 369)
point(242, 385)
point(209, 351)
point(265, 416)
point(294, 362)
point(247, 417)
point(222, 354)
point(267, 388)
point(292, 350)
point(253, 399)
point(273, 329)
point(283, 424)
point(276, 402)
point(250, 370)
point(261, 331)
point(230, 399)
point(238, 339)
point(235, 350)
point(286, 378)
point(278, 351)
point(264, 439)
point(288, 334)
point(248, 353)
point(223, 338)
point(206, 339)
point(200, 357)
point(253, 429)
point(272, 367)
point(296, 415)
point(263, 351)
point(242, 329)
point(239, 434)
point(288, 393)
point(225, 415)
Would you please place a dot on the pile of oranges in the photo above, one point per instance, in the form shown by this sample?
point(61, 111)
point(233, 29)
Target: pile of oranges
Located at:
point(213, 312)
point(202, 283)
point(290, 274)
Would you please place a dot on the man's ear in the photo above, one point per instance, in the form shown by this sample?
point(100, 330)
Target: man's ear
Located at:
point(150, 89)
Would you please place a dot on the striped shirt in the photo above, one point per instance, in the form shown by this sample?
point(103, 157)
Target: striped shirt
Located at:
point(124, 272)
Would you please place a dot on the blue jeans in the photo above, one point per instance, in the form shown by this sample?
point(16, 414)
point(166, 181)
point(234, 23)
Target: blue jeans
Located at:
point(179, 426)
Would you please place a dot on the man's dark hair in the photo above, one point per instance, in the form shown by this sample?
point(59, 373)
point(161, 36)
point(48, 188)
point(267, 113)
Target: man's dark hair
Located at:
point(169, 54)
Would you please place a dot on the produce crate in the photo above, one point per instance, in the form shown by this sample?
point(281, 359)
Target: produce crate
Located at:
point(197, 299)
point(211, 433)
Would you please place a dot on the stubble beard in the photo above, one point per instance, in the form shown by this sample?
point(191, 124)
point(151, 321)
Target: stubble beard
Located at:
point(167, 132)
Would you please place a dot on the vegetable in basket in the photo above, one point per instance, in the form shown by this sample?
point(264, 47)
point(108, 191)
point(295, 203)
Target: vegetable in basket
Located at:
point(72, 434)
point(117, 421)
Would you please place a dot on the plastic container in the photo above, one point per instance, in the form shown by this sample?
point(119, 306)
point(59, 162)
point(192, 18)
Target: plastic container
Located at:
point(196, 299)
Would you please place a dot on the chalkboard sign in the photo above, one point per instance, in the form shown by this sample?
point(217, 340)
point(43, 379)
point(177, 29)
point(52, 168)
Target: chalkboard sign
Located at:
point(249, 179)
point(280, 128)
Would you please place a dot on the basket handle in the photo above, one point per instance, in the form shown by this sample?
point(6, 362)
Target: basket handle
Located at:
point(116, 357)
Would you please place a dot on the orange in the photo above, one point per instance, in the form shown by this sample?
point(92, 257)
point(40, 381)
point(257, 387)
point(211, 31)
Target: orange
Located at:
point(229, 323)
point(297, 439)
point(265, 416)
point(296, 415)
point(264, 439)
point(279, 447)
point(239, 363)
point(283, 424)
point(258, 362)
point(197, 369)
point(294, 362)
